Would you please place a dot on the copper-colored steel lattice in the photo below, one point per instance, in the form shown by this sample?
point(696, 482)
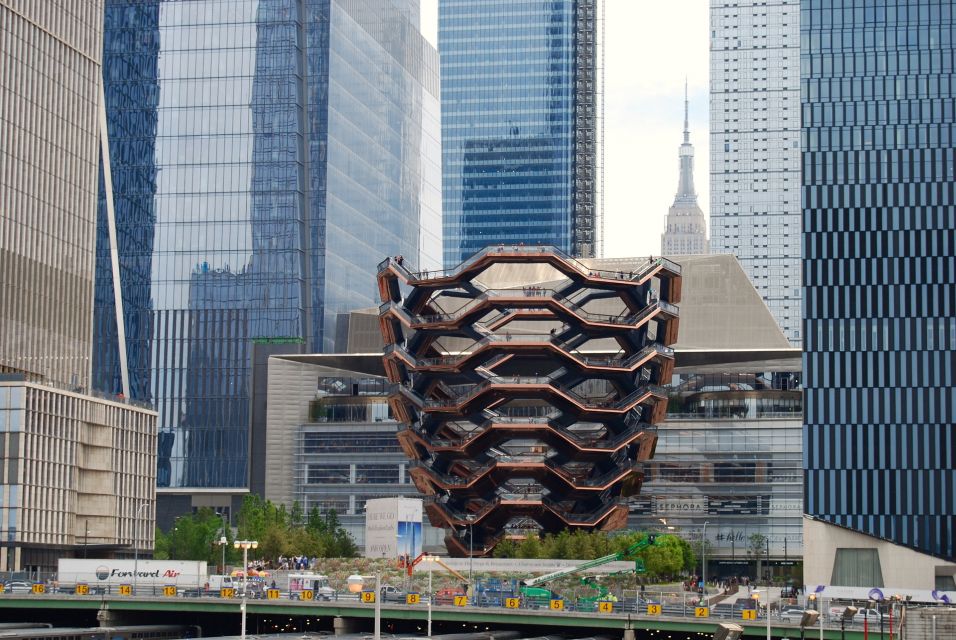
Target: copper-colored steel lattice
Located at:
point(528, 405)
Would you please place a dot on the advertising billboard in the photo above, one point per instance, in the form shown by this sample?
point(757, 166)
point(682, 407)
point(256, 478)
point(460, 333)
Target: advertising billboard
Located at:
point(393, 527)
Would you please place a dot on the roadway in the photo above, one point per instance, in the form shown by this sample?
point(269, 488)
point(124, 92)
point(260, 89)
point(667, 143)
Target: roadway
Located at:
point(224, 612)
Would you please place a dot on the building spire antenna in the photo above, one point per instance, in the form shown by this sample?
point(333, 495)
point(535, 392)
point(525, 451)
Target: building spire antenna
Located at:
point(686, 110)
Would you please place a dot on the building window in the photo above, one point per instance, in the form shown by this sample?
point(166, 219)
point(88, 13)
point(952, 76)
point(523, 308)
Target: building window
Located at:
point(857, 568)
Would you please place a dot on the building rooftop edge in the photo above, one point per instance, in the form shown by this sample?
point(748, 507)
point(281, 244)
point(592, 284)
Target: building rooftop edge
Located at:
point(789, 359)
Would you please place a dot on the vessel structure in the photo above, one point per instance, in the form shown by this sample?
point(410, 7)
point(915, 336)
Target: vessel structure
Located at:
point(528, 386)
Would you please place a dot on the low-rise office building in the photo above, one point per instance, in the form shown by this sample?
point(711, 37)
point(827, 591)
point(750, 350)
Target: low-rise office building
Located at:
point(730, 455)
point(331, 443)
point(79, 475)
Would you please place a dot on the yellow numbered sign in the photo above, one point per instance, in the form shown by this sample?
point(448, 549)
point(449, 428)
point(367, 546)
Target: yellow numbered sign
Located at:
point(227, 592)
point(307, 594)
point(701, 612)
point(461, 601)
point(273, 594)
point(169, 591)
point(368, 596)
point(39, 587)
point(512, 603)
point(653, 609)
point(606, 607)
point(749, 614)
point(412, 598)
point(82, 589)
point(125, 590)
point(557, 605)
point(2, 587)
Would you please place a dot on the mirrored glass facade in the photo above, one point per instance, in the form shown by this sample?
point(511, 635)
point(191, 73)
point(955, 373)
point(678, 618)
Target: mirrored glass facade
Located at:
point(516, 167)
point(879, 153)
point(266, 155)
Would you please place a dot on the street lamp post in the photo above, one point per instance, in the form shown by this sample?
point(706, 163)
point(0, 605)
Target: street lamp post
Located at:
point(245, 545)
point(820, 610)
point(879, 610)
point(756, 594)
point(703, 561)
point(471, 558)
point(223, 541)
point(769, 571)
point(847, 614)
point(139, 509)
point(431, 564)
point(378, 606)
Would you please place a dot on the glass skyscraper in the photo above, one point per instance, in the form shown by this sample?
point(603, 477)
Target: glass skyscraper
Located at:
point(879, 256)
point(755, 147)
point(266, 155)
point(519, 124)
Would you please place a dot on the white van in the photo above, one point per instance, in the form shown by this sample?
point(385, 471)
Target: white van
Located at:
point(314, 582)
point(217, 582)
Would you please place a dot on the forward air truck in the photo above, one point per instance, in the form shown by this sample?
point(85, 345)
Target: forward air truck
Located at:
point(145, 576)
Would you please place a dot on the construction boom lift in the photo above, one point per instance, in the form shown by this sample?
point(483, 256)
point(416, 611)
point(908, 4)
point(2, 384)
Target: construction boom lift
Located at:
point(644, 542)
point(409, 565)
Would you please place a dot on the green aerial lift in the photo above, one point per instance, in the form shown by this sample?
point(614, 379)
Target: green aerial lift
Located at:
point(530, 587)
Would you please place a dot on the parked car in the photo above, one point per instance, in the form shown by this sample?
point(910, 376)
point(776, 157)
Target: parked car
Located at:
point(792, 614)
point(871, 615)
point(18, 587)
point(391, 593)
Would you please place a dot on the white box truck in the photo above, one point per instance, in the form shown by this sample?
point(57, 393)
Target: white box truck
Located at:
point(317, 584)
point(188, 576)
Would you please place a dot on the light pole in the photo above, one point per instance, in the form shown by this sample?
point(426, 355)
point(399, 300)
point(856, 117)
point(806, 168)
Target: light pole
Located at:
point(245, 545)
point(431, 566)
point(223, 541)
point(769, 570)
point(471, 558)
point(703, 562)
point(848, 614)
point(807, 619)
point(756, 595)
point(139, 509)
point(378, 605)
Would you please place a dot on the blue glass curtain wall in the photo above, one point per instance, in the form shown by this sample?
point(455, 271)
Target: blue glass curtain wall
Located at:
point(507, 95)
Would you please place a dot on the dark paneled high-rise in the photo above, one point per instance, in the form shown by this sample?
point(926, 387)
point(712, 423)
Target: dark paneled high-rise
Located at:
point(879, 247)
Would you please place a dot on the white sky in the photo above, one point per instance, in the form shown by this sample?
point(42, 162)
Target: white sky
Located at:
point(650, 47)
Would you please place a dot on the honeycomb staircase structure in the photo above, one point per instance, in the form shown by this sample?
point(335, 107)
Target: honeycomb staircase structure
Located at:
point(527, 404)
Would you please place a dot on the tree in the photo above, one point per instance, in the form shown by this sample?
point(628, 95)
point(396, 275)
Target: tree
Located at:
point(296, 516)
point(192, 537)
point(507, 548)
point(530, 547)
point(279, 531)
point(756, 547)
point(690, 557)
point(665, 558)
point(558, 545)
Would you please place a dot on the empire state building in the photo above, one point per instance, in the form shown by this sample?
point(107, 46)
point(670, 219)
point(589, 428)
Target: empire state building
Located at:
point(686, 232)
